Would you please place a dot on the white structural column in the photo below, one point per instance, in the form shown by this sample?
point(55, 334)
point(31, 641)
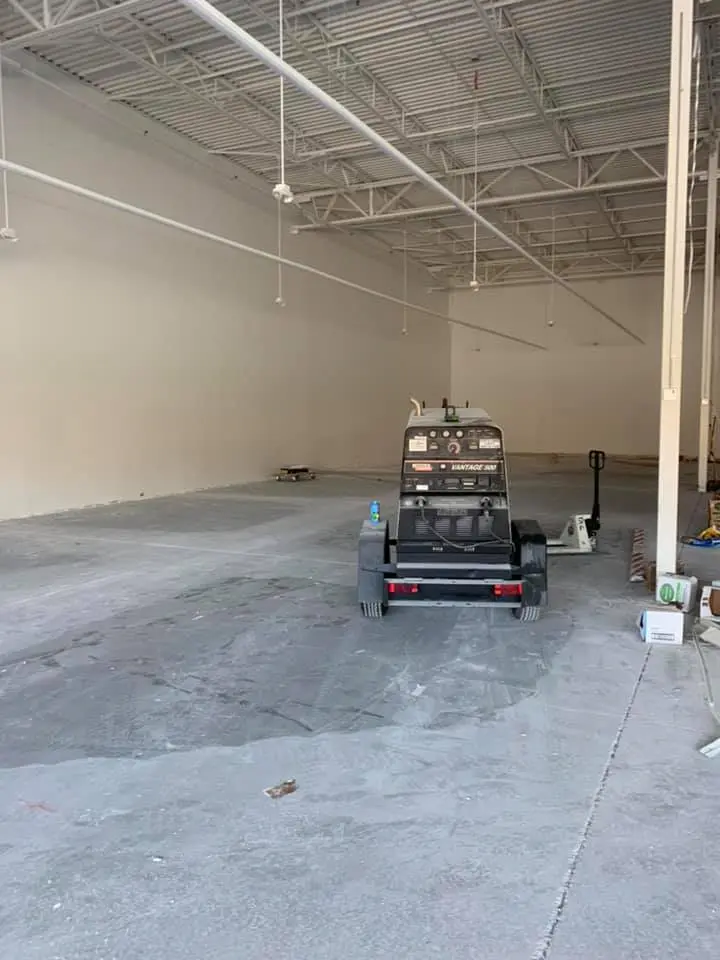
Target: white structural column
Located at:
point(706, 368)
point(674, 285)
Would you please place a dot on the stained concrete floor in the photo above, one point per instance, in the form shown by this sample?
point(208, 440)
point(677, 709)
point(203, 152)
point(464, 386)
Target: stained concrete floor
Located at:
point(467, 786)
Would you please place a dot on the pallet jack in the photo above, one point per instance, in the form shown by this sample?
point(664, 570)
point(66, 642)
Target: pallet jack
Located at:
point(579, 535)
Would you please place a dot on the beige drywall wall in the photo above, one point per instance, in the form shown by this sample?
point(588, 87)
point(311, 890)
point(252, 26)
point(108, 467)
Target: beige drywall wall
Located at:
point(137, 360)
point(594, 387)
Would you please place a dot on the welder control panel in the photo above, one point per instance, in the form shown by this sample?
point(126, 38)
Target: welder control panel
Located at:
point(453, 456)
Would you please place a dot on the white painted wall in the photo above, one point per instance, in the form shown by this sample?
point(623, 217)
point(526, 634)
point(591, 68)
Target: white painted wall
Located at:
point(577, 395)
point(134, 359)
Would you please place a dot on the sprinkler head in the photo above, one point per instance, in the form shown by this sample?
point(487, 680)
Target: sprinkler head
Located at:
point(281, 191)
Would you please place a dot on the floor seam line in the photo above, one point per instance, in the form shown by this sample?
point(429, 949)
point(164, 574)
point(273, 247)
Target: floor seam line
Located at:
point(219, 551)
point(543, 948)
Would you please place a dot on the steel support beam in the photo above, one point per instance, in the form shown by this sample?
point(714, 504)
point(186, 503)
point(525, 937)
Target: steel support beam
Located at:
point(505, 124)
point(242, 38)
point(502, 28)
point(711, 97)
point(674, 285)
point(65, 11)
point(165, 69)
point(53, 31)
point(338, 171)
point(536, 196)
point(706, 365)
point(462, 258)
point(525, 280)
point(25, 14)
point(607, 153)
point(367, 89)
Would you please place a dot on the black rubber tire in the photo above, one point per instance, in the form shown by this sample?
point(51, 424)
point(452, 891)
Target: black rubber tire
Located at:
point(526, 614)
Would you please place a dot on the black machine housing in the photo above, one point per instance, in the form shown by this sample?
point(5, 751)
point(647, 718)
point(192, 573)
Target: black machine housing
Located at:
point(455, 541)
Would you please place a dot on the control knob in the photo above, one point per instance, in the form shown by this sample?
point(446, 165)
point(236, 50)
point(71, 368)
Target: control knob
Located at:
point(454, 447)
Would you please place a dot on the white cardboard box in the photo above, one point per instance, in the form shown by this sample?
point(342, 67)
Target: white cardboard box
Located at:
point(662, 626)
point(676, 590)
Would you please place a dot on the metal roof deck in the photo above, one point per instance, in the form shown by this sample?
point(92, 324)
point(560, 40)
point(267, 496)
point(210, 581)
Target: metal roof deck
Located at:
point(564, 103)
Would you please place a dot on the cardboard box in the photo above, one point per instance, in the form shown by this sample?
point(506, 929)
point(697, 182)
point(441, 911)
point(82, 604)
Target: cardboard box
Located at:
point(651, 574)
point(662, 626)
point(714, 510)
point(710, 602)
point(676, 590)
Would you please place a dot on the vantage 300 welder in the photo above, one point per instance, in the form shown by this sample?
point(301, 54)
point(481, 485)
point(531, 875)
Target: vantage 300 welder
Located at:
point(455, 541)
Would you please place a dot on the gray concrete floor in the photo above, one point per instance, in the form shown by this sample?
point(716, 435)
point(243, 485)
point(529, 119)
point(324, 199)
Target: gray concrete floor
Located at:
point(467, 787)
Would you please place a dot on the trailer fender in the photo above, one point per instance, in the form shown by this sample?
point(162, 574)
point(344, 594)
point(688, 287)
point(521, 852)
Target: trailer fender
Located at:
point(373, 563)
point(531, 547)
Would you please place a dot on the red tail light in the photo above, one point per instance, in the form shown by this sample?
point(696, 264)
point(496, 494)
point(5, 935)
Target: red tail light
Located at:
point(403, 588)
point(513, 589)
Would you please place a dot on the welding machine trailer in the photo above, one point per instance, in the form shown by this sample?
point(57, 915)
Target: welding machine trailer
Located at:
point(455, 543)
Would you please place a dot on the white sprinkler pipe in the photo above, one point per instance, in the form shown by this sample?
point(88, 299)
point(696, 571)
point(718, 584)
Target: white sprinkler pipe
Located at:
point(20, 170)
point(207, 12)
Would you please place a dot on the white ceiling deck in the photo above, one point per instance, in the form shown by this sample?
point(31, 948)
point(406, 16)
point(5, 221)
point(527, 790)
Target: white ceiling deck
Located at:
point(549, 115)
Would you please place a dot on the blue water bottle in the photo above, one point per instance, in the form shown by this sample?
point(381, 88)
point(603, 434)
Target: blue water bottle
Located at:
point(374, 511)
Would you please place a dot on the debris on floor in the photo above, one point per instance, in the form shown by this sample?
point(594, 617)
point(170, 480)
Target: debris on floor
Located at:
point(710, 537)
point(710, 750)
point(295, 472)
point(38, 805)
point(281, 790)
point(709, 632)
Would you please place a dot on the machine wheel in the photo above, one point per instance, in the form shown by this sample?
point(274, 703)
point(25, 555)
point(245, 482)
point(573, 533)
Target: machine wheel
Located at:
point(373, 610)
point(526, 614)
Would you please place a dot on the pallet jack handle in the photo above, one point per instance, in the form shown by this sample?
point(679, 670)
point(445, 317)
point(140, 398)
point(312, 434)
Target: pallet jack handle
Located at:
point(596, 461)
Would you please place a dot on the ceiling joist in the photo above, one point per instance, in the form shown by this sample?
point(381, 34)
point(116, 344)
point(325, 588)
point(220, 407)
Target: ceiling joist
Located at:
point(570, 124)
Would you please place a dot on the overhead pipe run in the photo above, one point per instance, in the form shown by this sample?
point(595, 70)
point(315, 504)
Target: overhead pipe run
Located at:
point(7, 166)
point(207, 12)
